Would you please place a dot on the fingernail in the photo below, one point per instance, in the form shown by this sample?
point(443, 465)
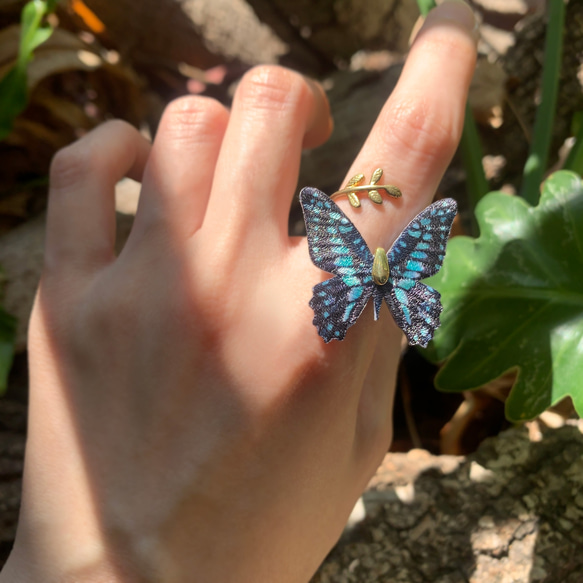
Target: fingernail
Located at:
point(457, 11)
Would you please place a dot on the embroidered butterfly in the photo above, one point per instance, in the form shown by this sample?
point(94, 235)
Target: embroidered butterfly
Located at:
point(337, 247)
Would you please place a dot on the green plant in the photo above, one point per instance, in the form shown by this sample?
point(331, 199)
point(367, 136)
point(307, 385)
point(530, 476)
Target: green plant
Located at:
point(7, 338)
point(13, 86)
point(13, 100)
point(513, 297)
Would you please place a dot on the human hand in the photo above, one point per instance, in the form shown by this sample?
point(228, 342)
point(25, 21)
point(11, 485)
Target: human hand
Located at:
point(187, 423)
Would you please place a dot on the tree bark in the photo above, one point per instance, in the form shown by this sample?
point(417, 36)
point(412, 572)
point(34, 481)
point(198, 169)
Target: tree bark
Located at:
point(336, 29)
point(156, 29)
point(513, 511)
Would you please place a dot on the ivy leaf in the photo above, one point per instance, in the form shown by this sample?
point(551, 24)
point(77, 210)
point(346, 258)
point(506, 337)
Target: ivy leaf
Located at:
point(513, 299)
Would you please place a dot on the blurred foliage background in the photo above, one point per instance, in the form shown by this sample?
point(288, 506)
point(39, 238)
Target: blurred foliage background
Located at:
point(68, 65)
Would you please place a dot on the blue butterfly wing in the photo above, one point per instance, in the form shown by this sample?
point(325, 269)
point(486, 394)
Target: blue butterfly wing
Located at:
point(337, 247)
point(418, 253)
point(337, 306)
point(416, 311)
point(335, 244)
point(419, 250)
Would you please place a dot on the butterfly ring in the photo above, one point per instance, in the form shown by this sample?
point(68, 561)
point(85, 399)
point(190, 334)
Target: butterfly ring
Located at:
point(336, 246)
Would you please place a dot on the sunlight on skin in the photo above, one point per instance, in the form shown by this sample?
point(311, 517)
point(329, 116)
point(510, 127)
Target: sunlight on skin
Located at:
point(187, 422)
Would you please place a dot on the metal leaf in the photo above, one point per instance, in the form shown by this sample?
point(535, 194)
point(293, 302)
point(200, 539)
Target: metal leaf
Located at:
point(375, 196)
point(356, 179)
point(353, 199)
point(376, 176)
point(393, 191)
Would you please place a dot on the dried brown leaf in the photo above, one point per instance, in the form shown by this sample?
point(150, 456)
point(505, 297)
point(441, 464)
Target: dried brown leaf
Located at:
point(62, 109)
point(487, 90)
point(64, 51)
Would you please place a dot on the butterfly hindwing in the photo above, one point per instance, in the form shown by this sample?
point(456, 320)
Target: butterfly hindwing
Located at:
point(337, 306)
point(416, 311)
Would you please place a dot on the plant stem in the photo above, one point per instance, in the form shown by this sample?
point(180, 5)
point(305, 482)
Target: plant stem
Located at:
point(537, 161)
point(471, 149)
point(574, 160)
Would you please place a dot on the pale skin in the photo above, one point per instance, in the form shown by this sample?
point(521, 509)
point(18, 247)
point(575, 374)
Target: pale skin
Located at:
point(187, 423)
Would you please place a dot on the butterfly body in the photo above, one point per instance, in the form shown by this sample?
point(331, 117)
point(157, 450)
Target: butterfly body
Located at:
point(337, 247)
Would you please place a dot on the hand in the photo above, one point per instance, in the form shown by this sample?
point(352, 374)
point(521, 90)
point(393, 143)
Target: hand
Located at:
point(187, 423)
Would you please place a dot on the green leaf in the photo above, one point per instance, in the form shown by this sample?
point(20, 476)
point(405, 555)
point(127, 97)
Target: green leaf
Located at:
point(13, 99)
point(472, 154)
point(39, 37)
point(513, 299)
point(13, 86)
point(30, 23)
point(537, 162)
point(574, 160)
point(7, 338)
point(425, 6)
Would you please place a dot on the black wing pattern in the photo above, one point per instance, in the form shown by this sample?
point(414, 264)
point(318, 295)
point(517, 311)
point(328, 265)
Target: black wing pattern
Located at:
point(337, 247)
point(418, 253)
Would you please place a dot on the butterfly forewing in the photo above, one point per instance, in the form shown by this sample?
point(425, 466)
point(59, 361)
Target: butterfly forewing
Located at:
point(335, 244)
point(419, 250)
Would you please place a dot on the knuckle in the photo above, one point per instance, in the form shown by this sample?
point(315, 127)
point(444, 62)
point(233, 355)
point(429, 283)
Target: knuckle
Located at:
point(194, 117)
point(420, 127)
point(273, 88)
point(70, 165)
point(117, 126)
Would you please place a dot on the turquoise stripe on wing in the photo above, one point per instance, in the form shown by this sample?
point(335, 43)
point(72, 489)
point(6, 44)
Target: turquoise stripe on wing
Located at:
point(418, 251)
point(418, 316)
point(337, 306)
point(333, 240)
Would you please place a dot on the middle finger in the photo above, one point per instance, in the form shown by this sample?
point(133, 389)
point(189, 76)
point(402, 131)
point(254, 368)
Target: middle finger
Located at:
point(274, 112)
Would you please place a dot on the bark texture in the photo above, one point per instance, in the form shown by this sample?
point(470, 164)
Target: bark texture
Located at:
point(510, 513)
point(197, 32)
point(336, 29)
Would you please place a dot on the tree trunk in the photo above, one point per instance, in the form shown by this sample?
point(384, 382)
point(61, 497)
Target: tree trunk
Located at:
point(336, 29)
point(156, 29)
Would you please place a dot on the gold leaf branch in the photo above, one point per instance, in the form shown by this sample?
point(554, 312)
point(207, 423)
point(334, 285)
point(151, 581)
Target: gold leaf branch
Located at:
point(354, 185)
